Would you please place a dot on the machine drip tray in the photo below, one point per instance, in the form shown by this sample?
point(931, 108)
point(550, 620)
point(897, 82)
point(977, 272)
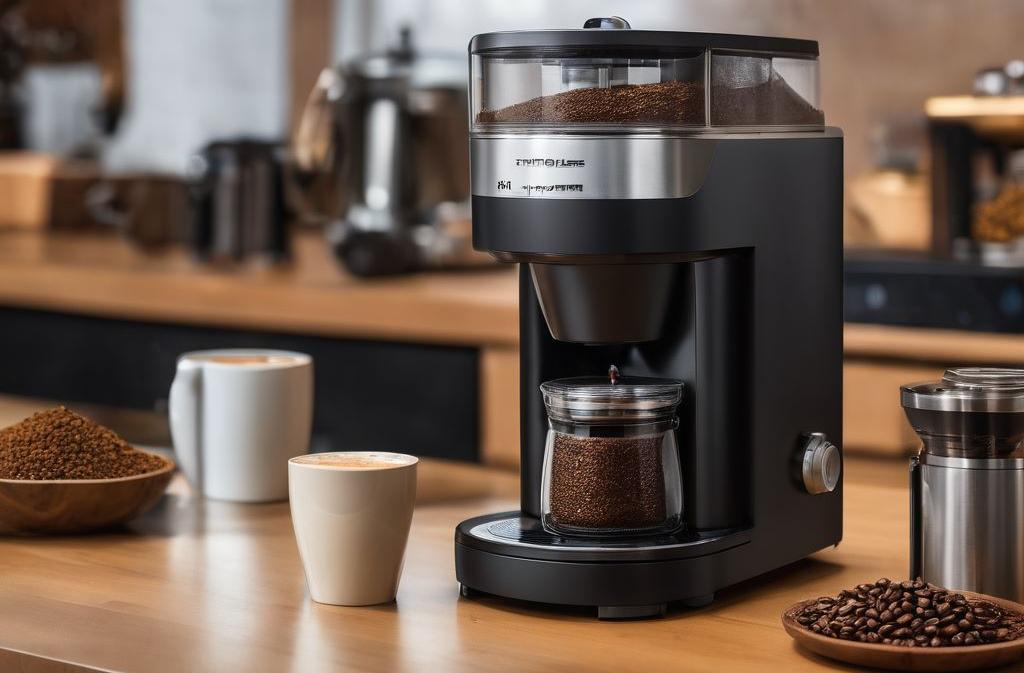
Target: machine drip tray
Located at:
point(510, 534)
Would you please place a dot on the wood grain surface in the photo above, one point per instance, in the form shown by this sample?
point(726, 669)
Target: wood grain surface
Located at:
point(78, 505)
point(207, 586)
point(109, 277)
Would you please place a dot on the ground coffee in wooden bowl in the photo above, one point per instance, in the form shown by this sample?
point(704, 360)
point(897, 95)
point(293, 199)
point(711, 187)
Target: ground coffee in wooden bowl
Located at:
point(60, 444)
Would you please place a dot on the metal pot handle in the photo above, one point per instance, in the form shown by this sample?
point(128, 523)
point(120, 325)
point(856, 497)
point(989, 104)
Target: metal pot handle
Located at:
point(316, 147)
point(916, 569)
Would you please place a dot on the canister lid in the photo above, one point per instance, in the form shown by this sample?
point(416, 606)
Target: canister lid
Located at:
point(974, 389)
point(623, 398)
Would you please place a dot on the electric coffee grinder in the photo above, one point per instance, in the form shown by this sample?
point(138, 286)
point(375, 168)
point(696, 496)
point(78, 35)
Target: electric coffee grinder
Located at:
point(674, 201)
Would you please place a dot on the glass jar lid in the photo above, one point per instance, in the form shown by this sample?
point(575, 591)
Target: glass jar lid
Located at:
point(976, 389)
point(617, 398)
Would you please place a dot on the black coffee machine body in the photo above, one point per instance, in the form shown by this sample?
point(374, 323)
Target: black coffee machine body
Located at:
point(675, 203)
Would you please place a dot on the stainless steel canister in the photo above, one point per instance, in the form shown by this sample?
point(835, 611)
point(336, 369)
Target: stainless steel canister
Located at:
point(967, 481)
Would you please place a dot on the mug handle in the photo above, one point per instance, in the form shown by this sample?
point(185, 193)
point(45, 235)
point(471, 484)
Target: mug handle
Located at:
point(185, 413)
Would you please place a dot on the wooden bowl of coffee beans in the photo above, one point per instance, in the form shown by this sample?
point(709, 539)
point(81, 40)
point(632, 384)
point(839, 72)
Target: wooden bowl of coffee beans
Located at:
point(62, 473)
point(910, 626)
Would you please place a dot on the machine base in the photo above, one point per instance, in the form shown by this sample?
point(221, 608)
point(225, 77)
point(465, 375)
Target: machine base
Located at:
point(511, 556)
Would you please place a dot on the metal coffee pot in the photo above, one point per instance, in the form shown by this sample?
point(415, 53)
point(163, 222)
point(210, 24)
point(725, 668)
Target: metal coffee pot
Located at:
point(381, 151)
point(967, 481)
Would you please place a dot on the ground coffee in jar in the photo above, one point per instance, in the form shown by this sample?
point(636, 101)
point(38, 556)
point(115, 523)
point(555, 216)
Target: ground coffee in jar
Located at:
point(60, 444)
point(607, 482)
point(611, 464)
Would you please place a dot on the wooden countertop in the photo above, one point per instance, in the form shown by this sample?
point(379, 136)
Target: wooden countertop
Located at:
point(106, 276)
point(207, 586)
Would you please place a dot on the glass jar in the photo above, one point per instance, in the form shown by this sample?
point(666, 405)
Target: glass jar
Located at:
point(611, 462)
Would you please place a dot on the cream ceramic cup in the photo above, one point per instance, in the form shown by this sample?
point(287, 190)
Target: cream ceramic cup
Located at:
point(351, 512)
point(237, 416)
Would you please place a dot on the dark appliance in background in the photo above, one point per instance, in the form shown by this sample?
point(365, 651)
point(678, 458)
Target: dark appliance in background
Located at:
point(382, 157)
point(672, 245)
point(237, 195)
point(59, 31)
point(973, 275)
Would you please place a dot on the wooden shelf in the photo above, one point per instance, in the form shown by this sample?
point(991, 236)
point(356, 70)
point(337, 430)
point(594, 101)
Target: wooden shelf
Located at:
point(945, 347)
point(108, 277)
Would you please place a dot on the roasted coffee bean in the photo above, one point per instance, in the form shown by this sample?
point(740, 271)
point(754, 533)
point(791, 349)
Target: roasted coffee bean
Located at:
point(922, 615)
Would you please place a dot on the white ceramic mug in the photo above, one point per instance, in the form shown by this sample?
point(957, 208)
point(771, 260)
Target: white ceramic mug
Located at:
point(351, 512)
point(236, 418)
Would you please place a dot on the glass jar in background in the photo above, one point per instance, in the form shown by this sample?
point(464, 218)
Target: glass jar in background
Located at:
point(611, 462)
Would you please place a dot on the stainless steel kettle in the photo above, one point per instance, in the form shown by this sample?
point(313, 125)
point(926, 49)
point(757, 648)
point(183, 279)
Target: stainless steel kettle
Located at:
point(381, 151)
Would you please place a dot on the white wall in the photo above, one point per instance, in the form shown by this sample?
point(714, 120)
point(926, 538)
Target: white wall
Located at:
point(200, 70)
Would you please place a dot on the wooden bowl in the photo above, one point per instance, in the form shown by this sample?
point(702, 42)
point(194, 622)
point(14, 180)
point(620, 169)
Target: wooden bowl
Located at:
point(50, 506)
point(897, 658)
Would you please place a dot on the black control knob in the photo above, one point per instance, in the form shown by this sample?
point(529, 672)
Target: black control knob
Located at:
point(821, 464)
point(607, 23)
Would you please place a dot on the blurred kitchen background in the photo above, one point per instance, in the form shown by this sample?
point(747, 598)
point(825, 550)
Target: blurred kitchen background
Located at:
point(183, 175)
